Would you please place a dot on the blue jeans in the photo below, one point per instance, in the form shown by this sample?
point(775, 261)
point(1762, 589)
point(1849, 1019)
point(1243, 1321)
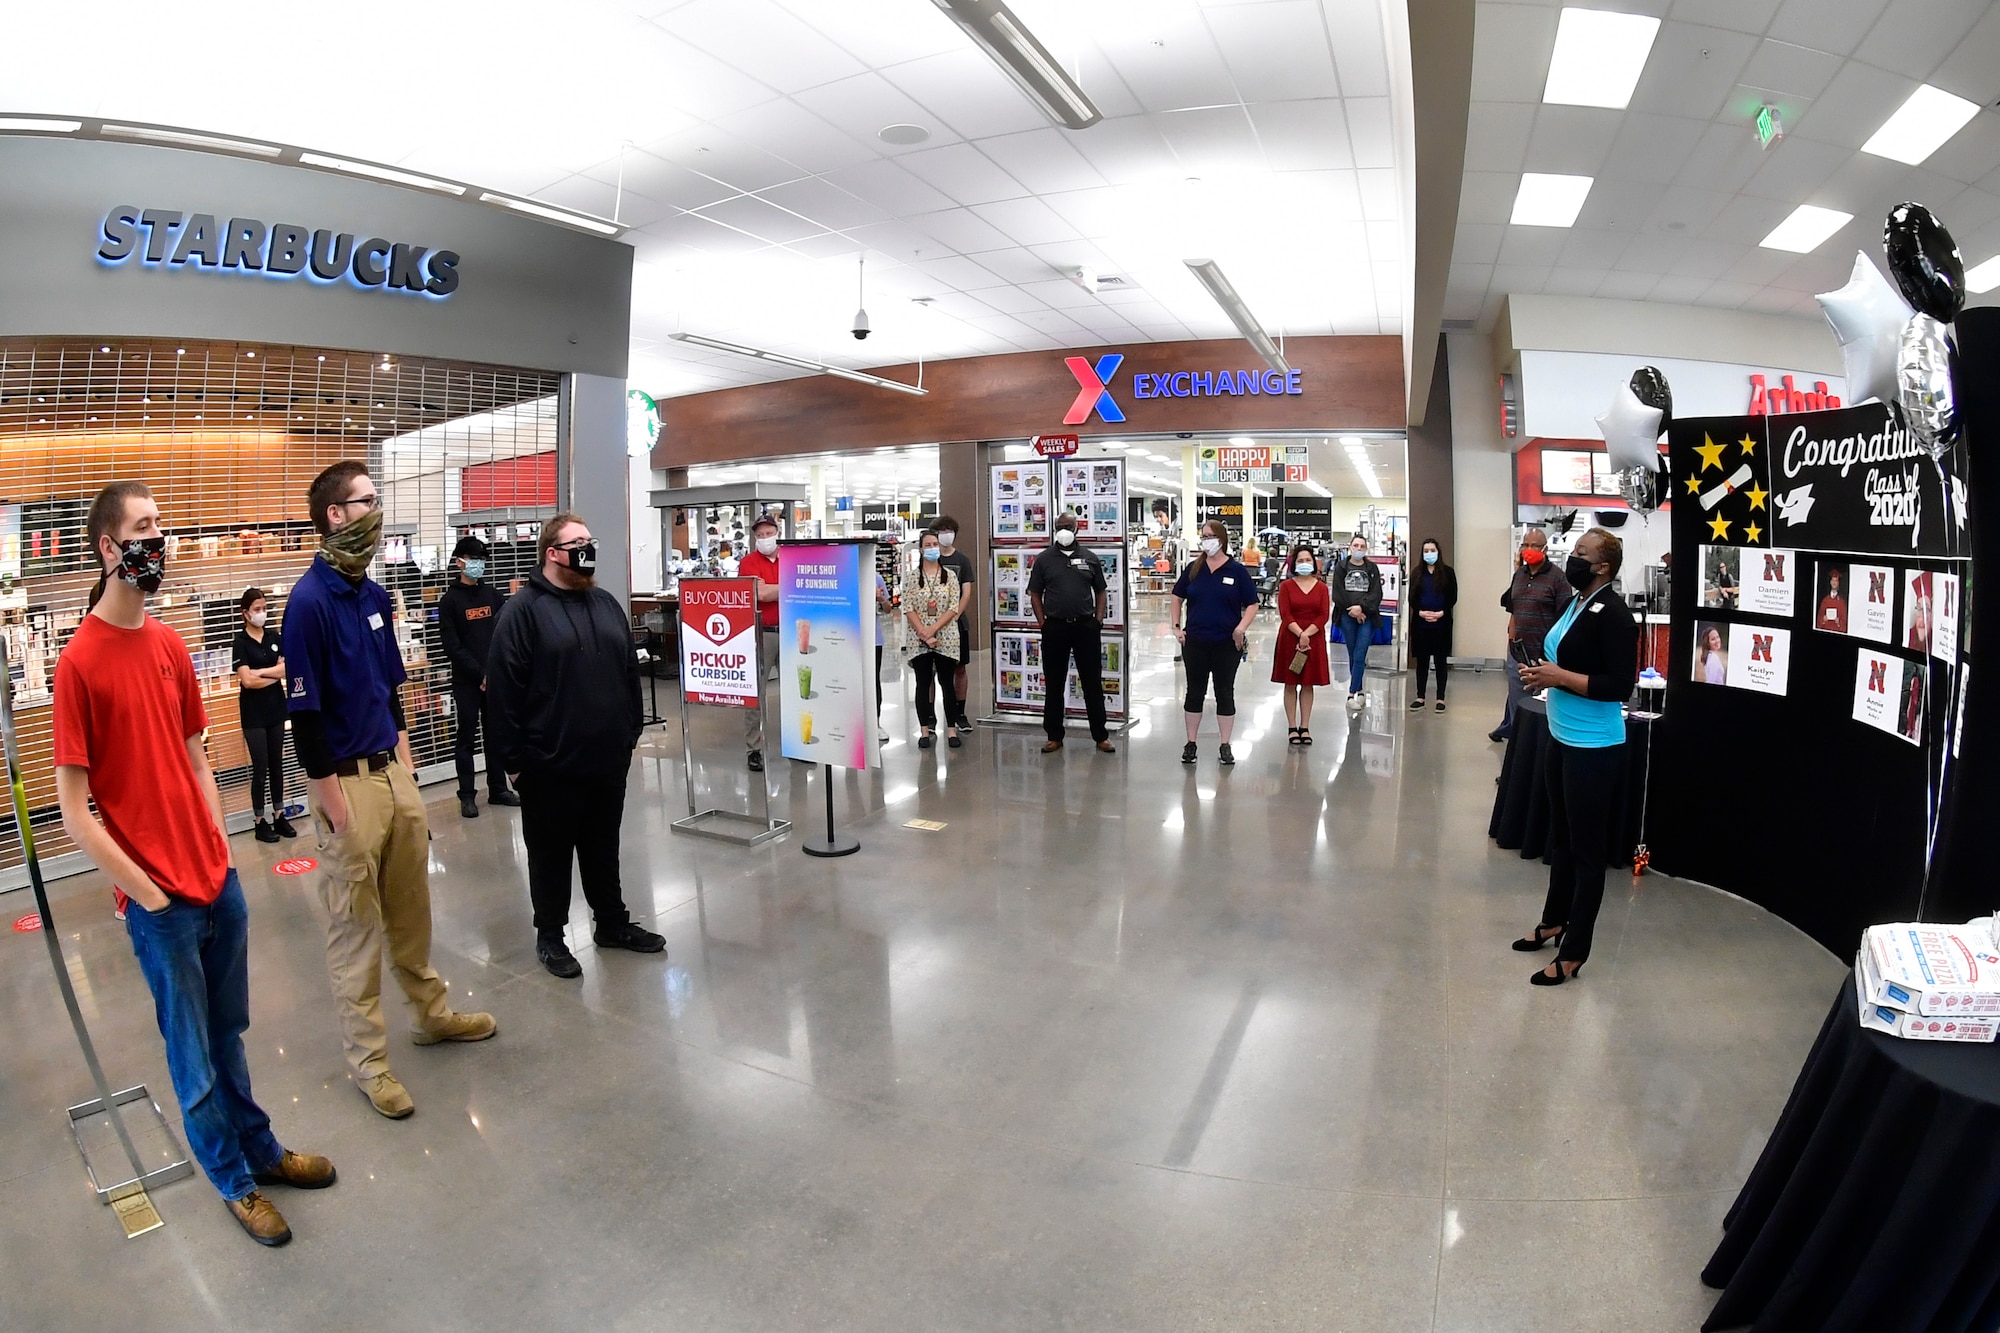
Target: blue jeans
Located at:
point(194, 960)
point(1360, 636)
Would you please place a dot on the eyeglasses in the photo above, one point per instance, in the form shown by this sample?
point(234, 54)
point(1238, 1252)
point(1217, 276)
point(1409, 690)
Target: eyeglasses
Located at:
point(365, 501)
point(573, 544)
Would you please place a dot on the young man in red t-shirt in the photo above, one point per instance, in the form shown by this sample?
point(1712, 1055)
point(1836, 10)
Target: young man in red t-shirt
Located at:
point(762, 564)
point(128, 734)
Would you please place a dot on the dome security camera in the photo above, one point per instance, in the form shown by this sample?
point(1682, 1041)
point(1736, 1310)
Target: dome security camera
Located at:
point(860, 325)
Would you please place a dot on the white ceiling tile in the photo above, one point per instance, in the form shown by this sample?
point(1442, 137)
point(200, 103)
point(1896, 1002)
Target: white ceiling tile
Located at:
point(1760, 267)
point(1691, 70)
point(1973, 153)
point(1706, 259)
point(1795, 168)
point(1180, 66)
point(1728, 295)
point(1651, 148)
point(879, 35)
point(1026, 222)
point(961, 230)
point(1572, 140)
point(1360, 51)
point(1487, 197)
point(1212, 141)
point(704, 86)
point(1567, 281)
point(1127, 151)
point(1786, 68)
point(1749, 219)
point(1008, 299)
point(1302, 136)
point(751, 214)
point(1497, 138)
point(1592, 249)
point(969, 93)
point(964, 173)
point(1465, 290)
point(1626, 286)
point(1510, 52)
point(1688, 206)
point(1097, 212)
point(1770, 302)
point(833, 208)
point(1525, 278)
point(1018, 266)
point(1968, 70)
point(1537, 247)
point(953, 271)
point(1739, 15)
point(788, 55)
point(1830, 25)
point(709, 237)
point(861, 106)
point(827, 245)
point(1277, 51)
point(789, 131)
point(1044, 160)
point(896, 240)
point(1381, 194)
point(1652, 253)
point(887, 186)
point(1724, 159)
point(1371, 129)
point(1477, 242)
point(725, 157)
point(1679, 290)
point(1854, 105)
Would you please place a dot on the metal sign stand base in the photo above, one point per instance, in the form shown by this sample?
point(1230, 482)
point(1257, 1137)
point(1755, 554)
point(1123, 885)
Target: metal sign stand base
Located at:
point(178, 1168)
point(715, 824)
point(834, 843)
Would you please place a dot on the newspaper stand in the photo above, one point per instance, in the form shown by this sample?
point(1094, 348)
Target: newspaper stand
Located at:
point(733, 826)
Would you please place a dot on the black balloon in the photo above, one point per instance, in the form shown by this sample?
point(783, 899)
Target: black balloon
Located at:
point(1924, 261)
point(1650, 387)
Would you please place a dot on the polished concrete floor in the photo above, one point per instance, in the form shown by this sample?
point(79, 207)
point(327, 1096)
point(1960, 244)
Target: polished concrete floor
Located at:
point(1126, 1045)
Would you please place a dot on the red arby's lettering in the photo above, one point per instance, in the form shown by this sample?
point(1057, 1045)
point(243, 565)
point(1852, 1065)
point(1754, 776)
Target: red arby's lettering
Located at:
point(1057, 446)
point(298, 865)
point(1784, 397)
point(28, 924)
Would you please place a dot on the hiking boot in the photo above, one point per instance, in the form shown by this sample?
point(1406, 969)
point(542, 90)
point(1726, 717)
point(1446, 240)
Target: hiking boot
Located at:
point(386, 1095)
point(256, 1215)
point(302, 1171)
point(457, 1027)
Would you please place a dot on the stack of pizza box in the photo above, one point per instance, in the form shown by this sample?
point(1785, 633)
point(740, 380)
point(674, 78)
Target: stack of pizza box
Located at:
point(1930, 982)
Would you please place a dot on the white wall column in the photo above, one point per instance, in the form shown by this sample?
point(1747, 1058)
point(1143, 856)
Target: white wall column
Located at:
point(816, 499)
point(1482, 485)
point(592, 470)
point(1189, 500)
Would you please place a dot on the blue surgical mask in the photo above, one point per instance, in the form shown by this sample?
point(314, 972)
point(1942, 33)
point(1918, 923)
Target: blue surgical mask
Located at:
point(1430, 557)
point(475, 570)
point(931, 553)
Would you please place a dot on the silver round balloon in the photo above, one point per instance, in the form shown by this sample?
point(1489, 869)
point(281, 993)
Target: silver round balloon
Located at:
point(1923, 384)
point(1636, 488)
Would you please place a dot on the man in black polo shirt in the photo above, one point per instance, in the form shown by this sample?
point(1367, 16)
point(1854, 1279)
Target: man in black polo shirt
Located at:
point(346, 674)
point(1066, 587)
point(466, 615)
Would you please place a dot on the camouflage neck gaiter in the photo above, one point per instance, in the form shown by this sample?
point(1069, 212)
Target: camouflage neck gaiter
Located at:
point(352, 548)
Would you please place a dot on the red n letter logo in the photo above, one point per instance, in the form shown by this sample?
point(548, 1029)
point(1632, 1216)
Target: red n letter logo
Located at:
point(1877, 673)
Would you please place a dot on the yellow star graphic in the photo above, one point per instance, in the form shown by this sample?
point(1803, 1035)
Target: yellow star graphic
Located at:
point(1694, 485)
point(1711, 454)
point(1749, 445)
point(1718, 528)
point(1757, 496)
point(1751, 533)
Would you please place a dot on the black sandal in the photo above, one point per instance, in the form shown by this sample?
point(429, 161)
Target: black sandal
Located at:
point(1292, 736)
point(1305, 737)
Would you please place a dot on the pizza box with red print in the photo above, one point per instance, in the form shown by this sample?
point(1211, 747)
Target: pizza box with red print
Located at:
point(1929, 969)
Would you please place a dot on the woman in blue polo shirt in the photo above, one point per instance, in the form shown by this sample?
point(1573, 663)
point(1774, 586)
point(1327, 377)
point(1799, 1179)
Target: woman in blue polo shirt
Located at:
point(1221, 600)
point(1592, 660)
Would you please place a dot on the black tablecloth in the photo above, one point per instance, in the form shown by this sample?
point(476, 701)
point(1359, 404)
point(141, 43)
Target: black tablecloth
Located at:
point(1876, 1204)
point(1521, 805)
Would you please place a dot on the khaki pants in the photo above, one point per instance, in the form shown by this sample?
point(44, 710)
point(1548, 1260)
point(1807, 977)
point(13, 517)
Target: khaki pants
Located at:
point(375, 885)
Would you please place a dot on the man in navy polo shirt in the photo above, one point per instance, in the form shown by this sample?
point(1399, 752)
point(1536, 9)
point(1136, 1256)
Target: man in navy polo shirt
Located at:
point(346, 675)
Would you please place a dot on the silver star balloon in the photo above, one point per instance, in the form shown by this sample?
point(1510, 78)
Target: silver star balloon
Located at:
point(1631, 431)
point(1868, 316)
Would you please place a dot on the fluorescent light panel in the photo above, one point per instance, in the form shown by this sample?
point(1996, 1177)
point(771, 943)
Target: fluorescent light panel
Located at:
point(797, 362)
point(1806, 229)
point(553, 214)
point(1985, 277)
point(1921, 125)
point(1209, 274)
point(39, 125)
point(1000, 32)
point(369, 169)
point(189, 140)
point(1598, 58)
point(1549, 201)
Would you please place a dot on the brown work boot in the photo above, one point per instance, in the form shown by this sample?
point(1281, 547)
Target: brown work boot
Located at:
point(387, 1095)
point(458, 1027)
point(254, 1213)
point(301, 1171)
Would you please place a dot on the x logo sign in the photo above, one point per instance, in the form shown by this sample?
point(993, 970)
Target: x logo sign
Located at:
point(1093, 391)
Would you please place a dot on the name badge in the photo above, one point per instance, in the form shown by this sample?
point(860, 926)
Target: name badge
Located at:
point(1076, 564)
point(374, 620)
point(1595, 607)
point(1229, 580)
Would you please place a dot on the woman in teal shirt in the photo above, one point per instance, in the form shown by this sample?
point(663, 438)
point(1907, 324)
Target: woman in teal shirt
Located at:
point(1591, 662)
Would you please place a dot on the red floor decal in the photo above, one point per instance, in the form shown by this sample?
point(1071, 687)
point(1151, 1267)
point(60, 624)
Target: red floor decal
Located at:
point(28, 924)
point(296, 866)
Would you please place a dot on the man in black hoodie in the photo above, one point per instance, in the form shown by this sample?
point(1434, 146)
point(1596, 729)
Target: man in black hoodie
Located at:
point(562, 685)
point(467, 613)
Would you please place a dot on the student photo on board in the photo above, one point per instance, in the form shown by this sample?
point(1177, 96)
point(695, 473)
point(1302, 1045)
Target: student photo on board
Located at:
point(1917, 614)
point(1711, 657)
point(1831, 612)
point(1910, 720)
point(1721, 575)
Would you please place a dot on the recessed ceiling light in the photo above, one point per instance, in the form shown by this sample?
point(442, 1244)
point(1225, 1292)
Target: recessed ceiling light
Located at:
point(1598, 58)
point(104, 349)
point(1548, 200)
point(1984, 278)
point(1921, 125)
point(902, 134)
point(1806, 229)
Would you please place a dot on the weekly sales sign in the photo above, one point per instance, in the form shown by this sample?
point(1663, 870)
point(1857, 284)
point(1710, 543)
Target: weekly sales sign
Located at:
point(719, 641)
point(826, 652)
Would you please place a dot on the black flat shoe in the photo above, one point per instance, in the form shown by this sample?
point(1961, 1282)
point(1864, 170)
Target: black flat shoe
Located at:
point(924, 741)
point(756, 761)
point(1417, 704)
point(284, 827)
point(1440, 705)
point(1543, 935)
point(265, 833)
point(952, 740)
point(1542, 978)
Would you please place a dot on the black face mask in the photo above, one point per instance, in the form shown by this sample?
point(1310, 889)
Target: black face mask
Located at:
point(1579, 573)
point(583, 559)
point(142, 562)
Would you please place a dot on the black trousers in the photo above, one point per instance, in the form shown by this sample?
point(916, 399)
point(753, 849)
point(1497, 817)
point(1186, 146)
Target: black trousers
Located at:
point(928, 667)
point(267, 769)
point(878, 682)
point(469, 704)
point(1425, 657)
point(1583, 786)
point(1207, 661)
point(1083, 639)
point(565, 819)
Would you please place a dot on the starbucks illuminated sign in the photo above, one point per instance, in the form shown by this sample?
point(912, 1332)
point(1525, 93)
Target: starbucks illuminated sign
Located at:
point(642, 424)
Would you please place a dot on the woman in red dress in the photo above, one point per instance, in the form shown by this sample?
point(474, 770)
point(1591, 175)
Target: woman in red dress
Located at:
point(1304, 607)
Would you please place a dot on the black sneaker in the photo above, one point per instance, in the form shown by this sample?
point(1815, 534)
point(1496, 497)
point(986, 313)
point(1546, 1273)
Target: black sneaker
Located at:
point(468, 807)
point(265, 833)
point(556, 957)
point(1225, 755)
point(1497, 735)
point(756, 761)
point(1188, 753)
point(630, 936)
point(503, 798)
point(1417, 704)
point(284, 827)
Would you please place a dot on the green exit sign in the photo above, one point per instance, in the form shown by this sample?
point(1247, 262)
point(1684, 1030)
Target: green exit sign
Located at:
point(1770, 129)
